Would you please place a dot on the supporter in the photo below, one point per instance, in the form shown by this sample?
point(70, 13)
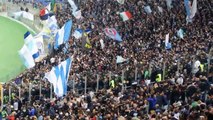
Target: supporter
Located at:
point(182, 91)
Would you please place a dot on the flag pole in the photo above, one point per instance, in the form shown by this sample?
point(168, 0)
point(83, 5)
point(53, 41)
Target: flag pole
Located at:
point(97, 83)
point(85, 86)
point(51, 91)
point(19, 93)
point(164, 65)
point(40, 89)
point(122, 79)
point(9, 93)
point(30, 85)
point(136, 73)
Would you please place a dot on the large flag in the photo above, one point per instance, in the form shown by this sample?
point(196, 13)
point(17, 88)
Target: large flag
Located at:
point(26, 57)
point(31, 44)
point(126, 15)
point(121, 1)
point(58, 76)
point(63, 34)
point(112, 33)
point(73, 6)
point(193, 9)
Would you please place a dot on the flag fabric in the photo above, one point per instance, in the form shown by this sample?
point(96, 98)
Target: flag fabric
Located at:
point(168, 3)
point(112, 33)
point(58, 76)
point(26, 57)
point(120, 1)
point(186, 4)
point(31, 44)
point(28, 15)
point(148, 9)
point(77, 14)
point(40, 44)
point(193, 9)
point(180, 33)
point(120, 59)
point(126, 15)
point(78, 33)
point(102, 44)
point(52, 5)
point(167, 39)
point(43, 14)
point(73, 6)
point(160, 9)
point(63, 34)
point(88, 30)
point(168, 45)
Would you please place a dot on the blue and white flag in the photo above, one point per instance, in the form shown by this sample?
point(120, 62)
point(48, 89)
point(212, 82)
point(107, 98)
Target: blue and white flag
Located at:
point(31, 44)
point(58, 76)
point(78, 33)
point(112, 33)
point(26, 57)
point(168, 46)
point(148, 9)
point(187, 7)
point(180, 33)
point(63, 34)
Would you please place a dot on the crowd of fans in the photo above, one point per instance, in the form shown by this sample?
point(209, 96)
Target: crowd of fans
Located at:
point(185, 93)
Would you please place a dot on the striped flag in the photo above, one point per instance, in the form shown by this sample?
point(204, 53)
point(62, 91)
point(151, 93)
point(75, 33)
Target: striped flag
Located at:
point(31, 44)
point(63, 34)
point(58, 76)
point(126, 15)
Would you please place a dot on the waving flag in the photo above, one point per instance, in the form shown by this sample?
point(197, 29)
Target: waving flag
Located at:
point(121, 1)
point(168, 45)
point(180, 33)
point(148, 9)
point(78, 33)
point(31, 44)
point(126, 15)
point(112, 33)
point(58, 76)
point(193, 9)
point(168, 3)
point(120, 59)
point(73, 6)
point(26, 57)
point(77, 14)
point(186, 4)
point(63, 34)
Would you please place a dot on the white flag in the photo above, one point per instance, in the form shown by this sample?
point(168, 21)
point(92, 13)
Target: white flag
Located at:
point(167, 39)
point(121, 1)
point(74, 7)
point(26, 57)
point(193, 9)
point(102, 43)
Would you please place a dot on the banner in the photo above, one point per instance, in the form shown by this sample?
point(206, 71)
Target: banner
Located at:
point(112, 33)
